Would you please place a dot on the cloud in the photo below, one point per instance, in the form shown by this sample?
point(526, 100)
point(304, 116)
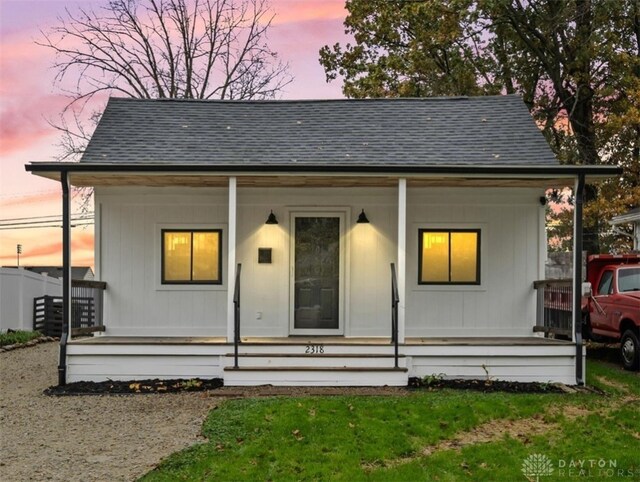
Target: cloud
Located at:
point(296, 11)
point(45, 248)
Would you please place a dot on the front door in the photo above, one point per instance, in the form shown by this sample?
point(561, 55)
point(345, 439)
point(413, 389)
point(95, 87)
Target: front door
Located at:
point(317, 267)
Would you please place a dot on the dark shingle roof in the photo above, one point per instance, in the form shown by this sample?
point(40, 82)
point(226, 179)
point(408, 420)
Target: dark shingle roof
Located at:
point(495, 130)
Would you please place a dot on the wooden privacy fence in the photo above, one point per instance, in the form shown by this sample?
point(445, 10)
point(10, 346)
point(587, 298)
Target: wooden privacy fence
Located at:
point(86, 310)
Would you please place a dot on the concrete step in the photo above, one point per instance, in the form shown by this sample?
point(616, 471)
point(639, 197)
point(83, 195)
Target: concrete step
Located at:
point(315, 360)
point(304, 348)
point(315, 376)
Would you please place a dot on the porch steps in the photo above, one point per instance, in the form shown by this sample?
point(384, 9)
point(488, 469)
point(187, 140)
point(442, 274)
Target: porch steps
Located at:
point(320, 369)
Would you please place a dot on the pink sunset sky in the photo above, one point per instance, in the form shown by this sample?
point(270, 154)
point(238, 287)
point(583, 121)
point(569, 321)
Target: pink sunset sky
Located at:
point(28, 98)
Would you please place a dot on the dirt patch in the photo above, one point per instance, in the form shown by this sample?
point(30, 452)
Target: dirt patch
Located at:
point(492, 431)
point(134, 387)
point(613, 384)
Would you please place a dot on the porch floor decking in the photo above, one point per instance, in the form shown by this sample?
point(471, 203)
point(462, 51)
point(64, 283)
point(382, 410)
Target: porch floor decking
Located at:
point(329, 340)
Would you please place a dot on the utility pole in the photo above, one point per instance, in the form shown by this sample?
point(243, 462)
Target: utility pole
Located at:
point(19, 252)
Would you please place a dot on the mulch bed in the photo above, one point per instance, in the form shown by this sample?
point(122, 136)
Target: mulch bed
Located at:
point(111, 387)
point(488, 386)
point(198, 385)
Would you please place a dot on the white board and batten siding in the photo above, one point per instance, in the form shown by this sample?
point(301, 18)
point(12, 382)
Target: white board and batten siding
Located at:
point(129, 260)
point(503, 305)
point(511, 260)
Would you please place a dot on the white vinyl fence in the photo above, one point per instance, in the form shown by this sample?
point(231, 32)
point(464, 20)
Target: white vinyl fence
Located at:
point(18, 288)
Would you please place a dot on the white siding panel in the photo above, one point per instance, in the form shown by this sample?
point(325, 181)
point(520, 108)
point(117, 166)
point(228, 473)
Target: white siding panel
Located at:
point(135, 303)
point(504, 303)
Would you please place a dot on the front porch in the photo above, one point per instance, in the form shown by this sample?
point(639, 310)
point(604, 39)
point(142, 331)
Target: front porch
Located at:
point(321, 361)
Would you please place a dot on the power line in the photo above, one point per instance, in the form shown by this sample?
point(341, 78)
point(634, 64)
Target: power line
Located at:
point(56, 216)
point(48, 221)
point(2, 228)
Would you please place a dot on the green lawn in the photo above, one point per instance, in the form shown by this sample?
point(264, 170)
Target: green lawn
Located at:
point(18, 337)
point(443, 435)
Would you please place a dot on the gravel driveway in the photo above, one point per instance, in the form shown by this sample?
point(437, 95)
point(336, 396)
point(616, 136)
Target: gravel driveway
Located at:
point(85, 438)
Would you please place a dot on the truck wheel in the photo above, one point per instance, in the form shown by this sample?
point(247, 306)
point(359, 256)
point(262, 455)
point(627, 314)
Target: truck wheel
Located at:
point(630, 351)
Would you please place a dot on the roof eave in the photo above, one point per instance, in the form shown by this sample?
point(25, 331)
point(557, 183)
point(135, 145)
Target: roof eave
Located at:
point(543, 170)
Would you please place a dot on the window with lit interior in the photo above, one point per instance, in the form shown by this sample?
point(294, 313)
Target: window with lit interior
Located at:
point(449, 257)
point(192, 256)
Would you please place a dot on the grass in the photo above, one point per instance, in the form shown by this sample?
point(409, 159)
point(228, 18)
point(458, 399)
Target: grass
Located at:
point(18, 337)
point(384, 438)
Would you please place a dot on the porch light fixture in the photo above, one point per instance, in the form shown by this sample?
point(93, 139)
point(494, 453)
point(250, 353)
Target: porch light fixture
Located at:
point(362, 218)
point(271, 219)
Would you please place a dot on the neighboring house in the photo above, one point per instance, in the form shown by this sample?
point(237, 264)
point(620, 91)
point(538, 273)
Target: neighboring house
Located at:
point(315, 200)
point(77, 272)
point(632, 217)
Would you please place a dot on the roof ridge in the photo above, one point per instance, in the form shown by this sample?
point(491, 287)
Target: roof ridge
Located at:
point(311, 101)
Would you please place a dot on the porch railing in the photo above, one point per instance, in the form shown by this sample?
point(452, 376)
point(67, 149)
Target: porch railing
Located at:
point(554, 307)
point(236, 316)
point(395, 300)
point(87, 301)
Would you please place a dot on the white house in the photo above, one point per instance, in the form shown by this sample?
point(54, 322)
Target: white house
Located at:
point(631, 217)
point(337, 242)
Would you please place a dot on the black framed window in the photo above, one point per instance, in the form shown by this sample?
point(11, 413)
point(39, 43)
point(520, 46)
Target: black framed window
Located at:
point(191, 256)
point(449, 256)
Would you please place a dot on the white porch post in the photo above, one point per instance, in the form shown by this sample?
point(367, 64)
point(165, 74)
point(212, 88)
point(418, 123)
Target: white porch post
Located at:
point(402, 255)
point(231, 262)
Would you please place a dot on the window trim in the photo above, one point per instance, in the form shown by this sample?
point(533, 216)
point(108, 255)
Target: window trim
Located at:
point(477, 282)
point(219, 281)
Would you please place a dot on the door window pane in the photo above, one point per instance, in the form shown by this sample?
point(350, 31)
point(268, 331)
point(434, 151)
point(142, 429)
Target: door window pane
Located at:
point(317, 272)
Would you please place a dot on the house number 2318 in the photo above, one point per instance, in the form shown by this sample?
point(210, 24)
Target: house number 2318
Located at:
point(312, 349)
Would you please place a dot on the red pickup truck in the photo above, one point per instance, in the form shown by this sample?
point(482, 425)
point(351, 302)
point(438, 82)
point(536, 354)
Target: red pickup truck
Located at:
point(612, 310)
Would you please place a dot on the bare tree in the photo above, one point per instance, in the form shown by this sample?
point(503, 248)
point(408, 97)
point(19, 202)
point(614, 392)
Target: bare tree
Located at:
point(190, 49)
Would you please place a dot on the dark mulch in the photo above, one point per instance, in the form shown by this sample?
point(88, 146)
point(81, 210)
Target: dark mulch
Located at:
point(486, 385)
point(134, 387)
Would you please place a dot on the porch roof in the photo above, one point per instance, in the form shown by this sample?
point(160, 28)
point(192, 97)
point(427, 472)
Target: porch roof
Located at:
point(195, 175)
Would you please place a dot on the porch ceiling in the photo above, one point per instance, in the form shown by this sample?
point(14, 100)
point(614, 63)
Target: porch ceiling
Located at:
point(291, 180)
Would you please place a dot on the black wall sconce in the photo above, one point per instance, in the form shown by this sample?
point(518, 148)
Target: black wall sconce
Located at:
point(271, 219)
point(362, 218)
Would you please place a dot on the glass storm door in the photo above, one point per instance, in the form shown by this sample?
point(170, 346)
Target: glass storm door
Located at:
point(316, 273)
